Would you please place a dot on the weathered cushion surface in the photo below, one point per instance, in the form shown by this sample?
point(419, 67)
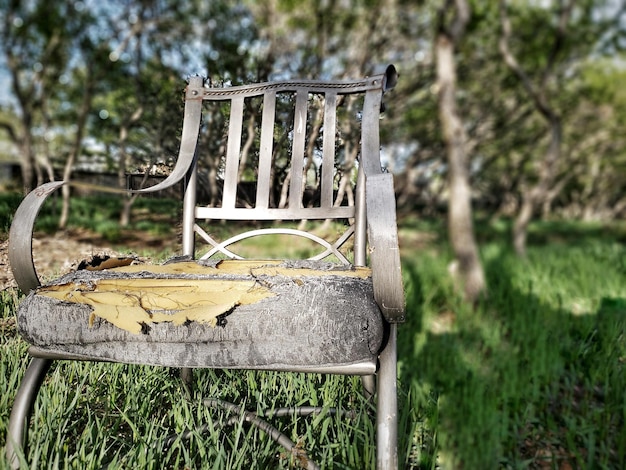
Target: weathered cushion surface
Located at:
point(265, 315)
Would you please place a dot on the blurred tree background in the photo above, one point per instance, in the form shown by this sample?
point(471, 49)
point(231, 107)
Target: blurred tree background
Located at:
point(509, 110)
point(538, 89)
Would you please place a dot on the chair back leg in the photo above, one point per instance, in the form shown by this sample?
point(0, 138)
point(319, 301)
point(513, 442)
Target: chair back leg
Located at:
point(387, 406)
point(17, 435)
point(186, 376)
point(368, 382)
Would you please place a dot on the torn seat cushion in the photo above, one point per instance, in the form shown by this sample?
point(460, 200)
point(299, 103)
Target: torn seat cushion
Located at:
point(231, 314)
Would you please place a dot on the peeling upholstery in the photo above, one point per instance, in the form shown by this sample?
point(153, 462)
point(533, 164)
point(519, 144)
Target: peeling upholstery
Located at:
point(315, 316)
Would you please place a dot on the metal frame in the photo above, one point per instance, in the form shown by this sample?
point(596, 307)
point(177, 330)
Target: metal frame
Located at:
point(374, 228)
point(221, 247)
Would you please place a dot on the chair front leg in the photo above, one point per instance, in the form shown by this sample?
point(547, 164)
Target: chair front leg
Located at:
point(23, 407)
point(387, 406)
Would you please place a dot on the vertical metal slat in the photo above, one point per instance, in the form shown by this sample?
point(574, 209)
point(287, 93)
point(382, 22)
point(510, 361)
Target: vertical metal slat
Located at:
point(328, 158)
point(297, 156)
point(232, 152)
point(266, 148)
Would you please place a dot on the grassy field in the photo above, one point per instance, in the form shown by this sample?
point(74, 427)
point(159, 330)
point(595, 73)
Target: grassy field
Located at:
point(532, 378)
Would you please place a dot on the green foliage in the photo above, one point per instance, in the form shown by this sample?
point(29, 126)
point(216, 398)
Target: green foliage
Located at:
point(8, 205)
point(533, 376)
point(99, 215)
point(601, 81)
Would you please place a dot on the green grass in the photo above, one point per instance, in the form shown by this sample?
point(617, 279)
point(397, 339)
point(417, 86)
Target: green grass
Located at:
point(8, 204)
point(120, 416)
point(99, 215)
point(532, 378)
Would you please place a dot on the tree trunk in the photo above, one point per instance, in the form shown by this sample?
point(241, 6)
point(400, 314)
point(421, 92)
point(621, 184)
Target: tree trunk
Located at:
point(76, 148)
point(130, 199)
point(520, 226)
point(284, 191)
point(245, 150)
point(123, 166)
point(537, 195)
point(27, 164)
point(466, 268)
point(538, 93)
point(47, 158)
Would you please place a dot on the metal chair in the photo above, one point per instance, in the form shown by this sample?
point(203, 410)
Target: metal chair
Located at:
point(280, 151)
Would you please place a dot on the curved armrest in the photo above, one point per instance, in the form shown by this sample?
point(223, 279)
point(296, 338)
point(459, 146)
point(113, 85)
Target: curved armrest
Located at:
point(21, 236)
point(380, 205)
point(384, 250)
point(21, 233)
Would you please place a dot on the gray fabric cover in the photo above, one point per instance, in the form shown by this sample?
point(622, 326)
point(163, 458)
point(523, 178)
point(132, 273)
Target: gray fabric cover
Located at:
point(316, 323)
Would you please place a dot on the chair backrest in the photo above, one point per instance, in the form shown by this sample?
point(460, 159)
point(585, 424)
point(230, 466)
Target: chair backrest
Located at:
point(281, 151)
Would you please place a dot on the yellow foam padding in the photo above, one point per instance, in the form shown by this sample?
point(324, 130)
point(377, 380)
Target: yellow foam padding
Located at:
point(133, 303)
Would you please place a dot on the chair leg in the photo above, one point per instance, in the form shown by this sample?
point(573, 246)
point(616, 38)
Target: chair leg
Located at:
point(23, 407)
point(369, 385)
point(186, 376)
point(387, 406)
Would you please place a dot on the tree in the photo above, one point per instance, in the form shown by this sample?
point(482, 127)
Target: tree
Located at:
point(35, 39)
point(595, 189)
point(467, 266)
point(538, 93)
point(139, 111)
point(545, 61)
point(531, 140)
point(86, 78)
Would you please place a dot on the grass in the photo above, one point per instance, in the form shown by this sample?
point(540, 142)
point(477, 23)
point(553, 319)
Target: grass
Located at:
point(153, 217)
point(532, 378)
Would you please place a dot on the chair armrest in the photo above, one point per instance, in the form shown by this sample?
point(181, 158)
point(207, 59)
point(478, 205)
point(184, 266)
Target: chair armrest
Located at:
point(384, 250)
point(21, 233)
point(21, 236)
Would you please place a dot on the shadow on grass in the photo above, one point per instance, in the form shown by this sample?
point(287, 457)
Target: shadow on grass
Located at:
point(551, 232)
point(517, 383)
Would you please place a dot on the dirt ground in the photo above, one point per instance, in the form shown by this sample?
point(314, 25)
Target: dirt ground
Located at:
point(57, 254)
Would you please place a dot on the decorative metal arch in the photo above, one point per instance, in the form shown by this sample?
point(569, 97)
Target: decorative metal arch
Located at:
point(221, 246)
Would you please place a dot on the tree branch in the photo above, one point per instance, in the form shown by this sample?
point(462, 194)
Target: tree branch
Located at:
point(559, 38)
point(10, 131)
point(511, 61)
point(461, 18)
point(456, 28)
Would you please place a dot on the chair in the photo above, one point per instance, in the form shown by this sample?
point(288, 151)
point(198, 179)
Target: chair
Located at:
point(280, 151)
